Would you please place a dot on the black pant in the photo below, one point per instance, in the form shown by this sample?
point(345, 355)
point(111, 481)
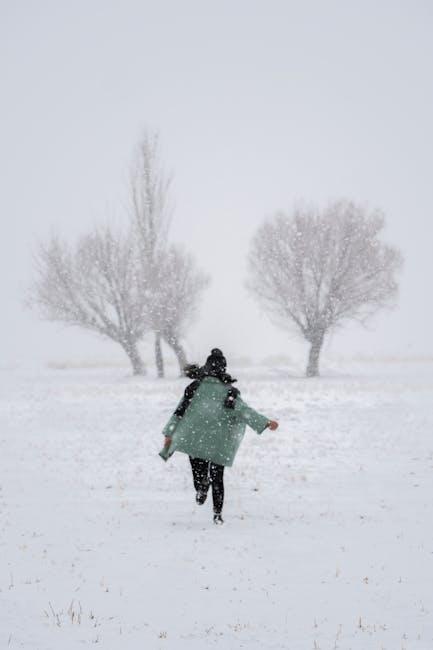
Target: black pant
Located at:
point(204, 473)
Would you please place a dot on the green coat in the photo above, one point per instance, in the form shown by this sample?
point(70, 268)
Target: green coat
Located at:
point(210, 430)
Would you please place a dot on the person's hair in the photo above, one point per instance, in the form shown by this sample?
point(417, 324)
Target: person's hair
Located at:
point(192, 370)
point(215, 366)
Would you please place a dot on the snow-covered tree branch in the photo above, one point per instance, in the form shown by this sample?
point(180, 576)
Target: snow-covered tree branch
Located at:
point(124, 285)
point(179, 290)
point(315, 270)
point(173, 285)
point(149, 194)
point(96, 285)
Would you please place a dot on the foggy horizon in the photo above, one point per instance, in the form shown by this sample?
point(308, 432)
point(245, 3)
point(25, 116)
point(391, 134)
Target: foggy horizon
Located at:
point(257, 107)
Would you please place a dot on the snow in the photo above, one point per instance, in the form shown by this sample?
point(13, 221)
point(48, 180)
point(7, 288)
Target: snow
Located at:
point(328, 538)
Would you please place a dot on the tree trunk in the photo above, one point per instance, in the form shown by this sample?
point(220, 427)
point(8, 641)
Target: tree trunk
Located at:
point(159, 359)
point(173, 342)
point(137, 363)
point(313, 358)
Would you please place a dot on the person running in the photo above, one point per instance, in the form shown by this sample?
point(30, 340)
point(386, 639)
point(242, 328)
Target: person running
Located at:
point(208, 425)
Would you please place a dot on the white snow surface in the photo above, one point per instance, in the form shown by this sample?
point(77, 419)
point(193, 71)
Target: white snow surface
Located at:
point(327, 542)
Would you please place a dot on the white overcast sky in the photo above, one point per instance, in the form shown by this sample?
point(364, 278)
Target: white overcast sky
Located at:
point(259, 104)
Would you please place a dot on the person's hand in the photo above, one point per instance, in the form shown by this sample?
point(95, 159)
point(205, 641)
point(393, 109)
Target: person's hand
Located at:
point(167, 442)
point(273, 424)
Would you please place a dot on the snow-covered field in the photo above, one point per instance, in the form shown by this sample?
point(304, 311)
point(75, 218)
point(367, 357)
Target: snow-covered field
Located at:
point(328, 540)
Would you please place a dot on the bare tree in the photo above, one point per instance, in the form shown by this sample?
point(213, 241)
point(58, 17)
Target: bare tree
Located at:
point(124, 285)
point(180, 287)
point(96, 286)
point(314, 271)
point(172, 283)
point(151, 213)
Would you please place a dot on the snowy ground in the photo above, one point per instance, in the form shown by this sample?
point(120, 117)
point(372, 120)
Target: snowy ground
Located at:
point(328, 541)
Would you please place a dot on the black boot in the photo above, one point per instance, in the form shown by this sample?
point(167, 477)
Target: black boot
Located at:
point(201, 495)
point(217, 519)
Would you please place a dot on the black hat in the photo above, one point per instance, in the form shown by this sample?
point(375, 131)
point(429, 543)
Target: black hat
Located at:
point(216, 360)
